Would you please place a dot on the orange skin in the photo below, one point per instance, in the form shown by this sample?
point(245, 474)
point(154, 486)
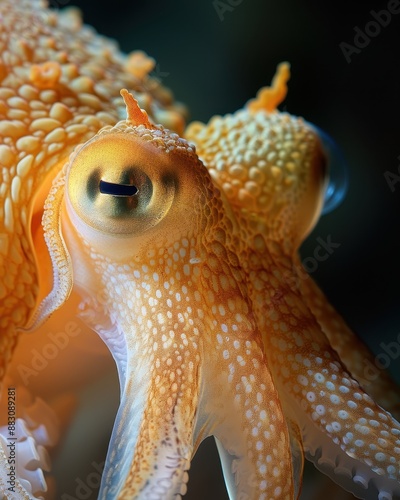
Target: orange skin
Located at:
point(192, 279)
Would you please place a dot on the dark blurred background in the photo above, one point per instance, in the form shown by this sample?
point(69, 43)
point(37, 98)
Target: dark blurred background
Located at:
point(214, 60)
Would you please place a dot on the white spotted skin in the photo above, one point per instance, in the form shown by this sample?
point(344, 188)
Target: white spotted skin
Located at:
point(217, 342)
point(350, 350)
point(317, 390)
point(195, 358)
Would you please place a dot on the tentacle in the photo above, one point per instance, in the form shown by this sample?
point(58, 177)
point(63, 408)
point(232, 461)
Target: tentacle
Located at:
point(246, 417)
point(152, 442)
point(351, 350)
point(62, 266)
point(344, 431)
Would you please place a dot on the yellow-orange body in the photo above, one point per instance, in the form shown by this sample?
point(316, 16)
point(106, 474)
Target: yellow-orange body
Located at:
point(183, 253)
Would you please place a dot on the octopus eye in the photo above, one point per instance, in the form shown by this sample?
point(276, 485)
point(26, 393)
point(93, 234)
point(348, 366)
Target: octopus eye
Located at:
point(119, 185)
point(337, 172)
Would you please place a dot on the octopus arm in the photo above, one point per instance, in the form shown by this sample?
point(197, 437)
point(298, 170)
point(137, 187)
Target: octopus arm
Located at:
point(350, 349)
point(246, 417)
point(344, 431)
point(152, 441)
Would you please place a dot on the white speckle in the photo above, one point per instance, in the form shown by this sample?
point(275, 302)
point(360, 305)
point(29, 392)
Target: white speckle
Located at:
point(362, 429)
point(335, 399)
point(381, 457)
point(382, 442)
point(302, 380)
point(241, 361)
point(311, 397)
point(195, 260)
point(391, 469)
point(343, 414)
point(336, 427)
point(320, 409)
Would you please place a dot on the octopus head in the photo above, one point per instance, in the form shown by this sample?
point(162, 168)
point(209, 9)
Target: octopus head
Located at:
point(271, 166)
point(116, 195)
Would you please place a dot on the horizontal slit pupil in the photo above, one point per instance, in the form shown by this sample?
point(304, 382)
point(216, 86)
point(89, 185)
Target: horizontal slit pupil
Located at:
point(117, 189)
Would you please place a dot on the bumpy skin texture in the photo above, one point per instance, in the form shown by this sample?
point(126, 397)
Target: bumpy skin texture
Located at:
point(60, 84)
point(185, 258)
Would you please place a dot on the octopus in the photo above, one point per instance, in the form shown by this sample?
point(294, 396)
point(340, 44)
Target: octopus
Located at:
point(178, 245)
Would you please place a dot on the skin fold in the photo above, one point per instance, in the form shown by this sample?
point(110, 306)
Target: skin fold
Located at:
point(180, 249)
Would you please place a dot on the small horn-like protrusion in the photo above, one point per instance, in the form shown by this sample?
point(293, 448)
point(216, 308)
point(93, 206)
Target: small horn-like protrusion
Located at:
point(268, 98)
point(135, 115)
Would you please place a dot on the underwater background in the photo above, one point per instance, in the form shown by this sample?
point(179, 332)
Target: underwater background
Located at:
point(215, 56)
